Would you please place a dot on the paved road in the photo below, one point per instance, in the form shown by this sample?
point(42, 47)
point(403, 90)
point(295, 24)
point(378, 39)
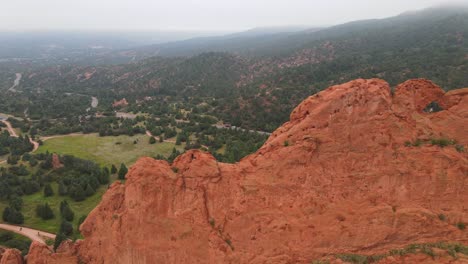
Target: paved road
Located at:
point(33, 234)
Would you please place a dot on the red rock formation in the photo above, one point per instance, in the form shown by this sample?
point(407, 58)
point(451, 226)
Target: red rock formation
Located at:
point(339, 177)
point(42, 254)
point(120, 103)
point(56, 164)
point(11, 256)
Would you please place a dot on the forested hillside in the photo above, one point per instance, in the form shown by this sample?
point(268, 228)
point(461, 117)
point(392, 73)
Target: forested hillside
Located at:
point(252, 85)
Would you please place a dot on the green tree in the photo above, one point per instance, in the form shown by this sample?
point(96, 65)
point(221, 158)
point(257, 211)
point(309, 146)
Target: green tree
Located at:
point(78, 193)
point(122, 171)
point(48, 190)
point(62, 189)
point(16, 202)
point(89, 190)
point(13, 216)
point(66, 212)
point(178, 139)
point(44, 211)
point(152, 140)
point(104, 177)
point(66, 228)
point(59, 238)
point(113, 169)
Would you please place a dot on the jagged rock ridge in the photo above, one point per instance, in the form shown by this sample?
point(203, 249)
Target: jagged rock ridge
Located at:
point(343, 175)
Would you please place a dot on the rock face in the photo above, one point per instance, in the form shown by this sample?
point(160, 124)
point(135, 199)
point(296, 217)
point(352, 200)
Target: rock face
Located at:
point(42, 254)
point(11, 256)
point(120, 103)
point(353, 171)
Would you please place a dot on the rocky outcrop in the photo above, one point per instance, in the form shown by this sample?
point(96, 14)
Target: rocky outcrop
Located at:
point(357, 169)
point(56, 164)
point(11, 256)
point(41, 254)
point(120, 103)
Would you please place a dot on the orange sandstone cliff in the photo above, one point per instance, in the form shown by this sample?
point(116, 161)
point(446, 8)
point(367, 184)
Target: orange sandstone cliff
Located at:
point(357, 169)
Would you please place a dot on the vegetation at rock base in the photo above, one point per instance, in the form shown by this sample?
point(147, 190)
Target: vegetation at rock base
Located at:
point(12, 240)
point(453, 249)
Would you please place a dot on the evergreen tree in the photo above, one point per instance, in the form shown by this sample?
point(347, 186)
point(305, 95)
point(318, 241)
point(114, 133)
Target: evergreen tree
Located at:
point(16, 203)
point(78, 193)
point(113, 169)
point(47, 163)
point(66, 211)
point(104, 177)
point(13, 216)
point(66, 228)
point(152, 140)
point(6, 214)
point(89, 190)
point(122, 171)
point(44, 211)
point(48, 190)
point(58, 240)
point(62, 189)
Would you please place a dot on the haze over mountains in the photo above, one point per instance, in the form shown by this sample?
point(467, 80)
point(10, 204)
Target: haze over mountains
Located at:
point(258, 76)
point(289, 144)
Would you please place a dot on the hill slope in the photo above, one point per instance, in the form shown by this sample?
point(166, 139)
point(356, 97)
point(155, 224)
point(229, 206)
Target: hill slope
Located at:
point(357, 169)
point(257, 89)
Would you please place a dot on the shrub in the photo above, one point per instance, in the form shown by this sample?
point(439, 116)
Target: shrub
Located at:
point(461, 225)
point(442, 217)
point(48, 190)
point(426, 249)
point(44, 211)
point(122, 171)
point(442, 142)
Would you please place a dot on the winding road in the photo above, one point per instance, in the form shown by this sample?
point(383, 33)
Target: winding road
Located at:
point(33, 234)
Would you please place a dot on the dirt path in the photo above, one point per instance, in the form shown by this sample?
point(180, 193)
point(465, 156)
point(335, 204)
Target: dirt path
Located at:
point(10, 128)
point(33, 234)
point(157, 138)
point(13, 134)
point(241, 129)
point(16, 82)
point(35, 144)
point(166, 140)
point(59, 136)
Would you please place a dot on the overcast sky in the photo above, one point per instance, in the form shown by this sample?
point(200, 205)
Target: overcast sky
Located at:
point(193, 14)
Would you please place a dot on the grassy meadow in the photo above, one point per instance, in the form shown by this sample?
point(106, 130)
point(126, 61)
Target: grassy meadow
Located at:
point(107, 150)
point(103, 150)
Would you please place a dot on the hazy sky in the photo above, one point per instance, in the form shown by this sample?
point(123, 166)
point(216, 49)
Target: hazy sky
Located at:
point(193, 14)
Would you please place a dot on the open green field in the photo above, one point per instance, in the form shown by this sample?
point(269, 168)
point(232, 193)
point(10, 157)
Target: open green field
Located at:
point(107, 150)
point(103, 150)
